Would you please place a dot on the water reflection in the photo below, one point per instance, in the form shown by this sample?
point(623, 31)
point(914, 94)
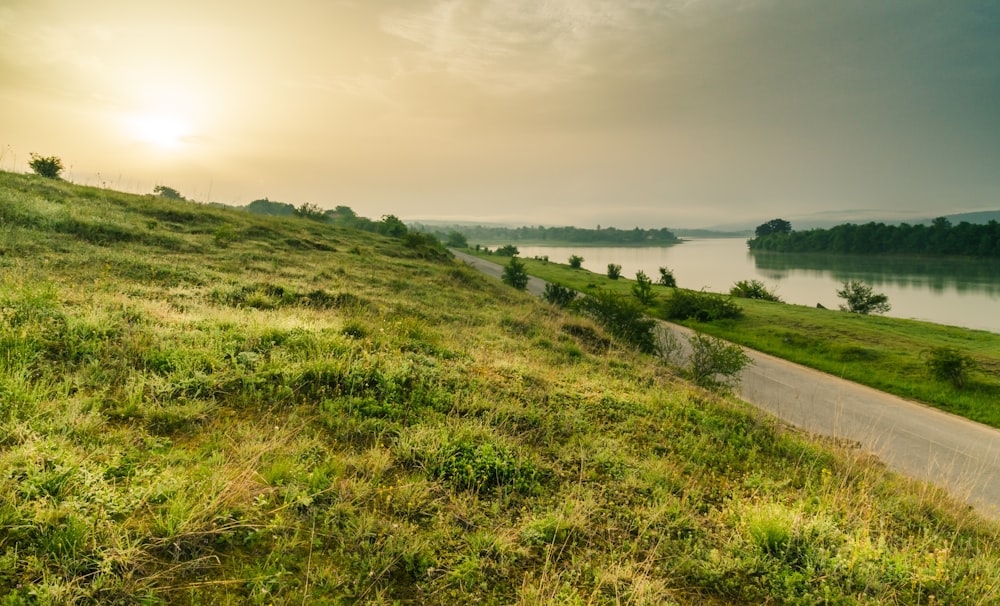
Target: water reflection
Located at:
point(966, 276)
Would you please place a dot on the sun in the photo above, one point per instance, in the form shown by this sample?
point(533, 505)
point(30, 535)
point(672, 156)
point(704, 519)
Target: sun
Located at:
point(160, 130)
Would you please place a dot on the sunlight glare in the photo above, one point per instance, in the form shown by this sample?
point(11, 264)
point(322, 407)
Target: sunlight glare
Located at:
point(163, 131)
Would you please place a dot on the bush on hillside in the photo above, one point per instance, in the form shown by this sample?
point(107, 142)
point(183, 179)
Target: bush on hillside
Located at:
point(702, 306)
point(46, 166)
point(643, 288)
point(623, 317)
point(949, 364)
point(558, 294)
point(753, 289)
point(861, 299)
point(714, 363)
point(514, 274)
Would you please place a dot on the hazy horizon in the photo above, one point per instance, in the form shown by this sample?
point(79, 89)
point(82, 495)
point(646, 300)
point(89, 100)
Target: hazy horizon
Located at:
point(683, 113)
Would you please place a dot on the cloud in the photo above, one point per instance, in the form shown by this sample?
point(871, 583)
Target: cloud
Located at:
point(511, 46)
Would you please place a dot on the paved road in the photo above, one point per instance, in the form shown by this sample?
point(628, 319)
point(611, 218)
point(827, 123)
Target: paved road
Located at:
point(919, 441)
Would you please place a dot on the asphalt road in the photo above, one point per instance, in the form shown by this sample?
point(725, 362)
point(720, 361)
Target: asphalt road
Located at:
point(922, 442)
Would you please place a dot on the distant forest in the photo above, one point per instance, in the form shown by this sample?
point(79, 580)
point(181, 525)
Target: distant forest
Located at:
point(572, 235)
point(939, 238)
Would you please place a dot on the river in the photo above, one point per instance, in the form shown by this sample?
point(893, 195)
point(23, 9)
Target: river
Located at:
point(956, 292)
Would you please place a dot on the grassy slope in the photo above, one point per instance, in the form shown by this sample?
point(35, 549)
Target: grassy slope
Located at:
point(884, 353)
point(199, 406)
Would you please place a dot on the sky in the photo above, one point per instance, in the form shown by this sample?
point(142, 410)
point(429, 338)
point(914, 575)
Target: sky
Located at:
point(652, 113)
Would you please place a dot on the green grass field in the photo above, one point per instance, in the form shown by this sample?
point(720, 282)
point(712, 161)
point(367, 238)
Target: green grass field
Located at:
point(203, 406)
point(889, 354)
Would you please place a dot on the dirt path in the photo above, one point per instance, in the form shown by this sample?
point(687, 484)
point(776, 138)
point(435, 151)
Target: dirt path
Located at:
point(919, 441)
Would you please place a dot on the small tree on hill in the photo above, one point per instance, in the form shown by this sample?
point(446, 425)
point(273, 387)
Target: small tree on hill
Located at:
point(46, 166)
point(575, 261)
point(457, 239)
point(507, 250)
point(643, 288)
point(308, 210)
point(614, 271)
point(558, 294)
point(714, 363)
point(514, 274)
point(167, 192)
point(861, 299)
point(667, 278)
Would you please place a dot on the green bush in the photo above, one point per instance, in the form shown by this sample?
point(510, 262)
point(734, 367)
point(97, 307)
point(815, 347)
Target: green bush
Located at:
point(861, 299)
point(457, 239)
point(507, 250)
point(514, 274)
point(949, 364)
point(702, 306)
point(46, 166)
point(622, 317)
point(667, 278)
point(575, 261)
point(715, 363)
point(643, 288)
point(558, 294)
point(753, 289)
point(614, 271)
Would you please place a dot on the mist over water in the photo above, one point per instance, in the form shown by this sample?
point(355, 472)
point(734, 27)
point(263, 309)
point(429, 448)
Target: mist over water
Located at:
point(956, 292)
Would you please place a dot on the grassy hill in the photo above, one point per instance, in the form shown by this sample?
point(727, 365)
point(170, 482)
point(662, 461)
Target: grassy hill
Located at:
point(204, 406)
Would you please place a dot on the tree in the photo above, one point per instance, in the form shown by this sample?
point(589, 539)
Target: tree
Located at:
point(614, 271)
point(457, 239)
point(713, 358)
point(861, 299)
point(514, 274)
point(774, 226)
point(558, 294)
point(643, 288)
point(575, 261)
point(507, 250)
point(46, 166)
point(667, 278)
point(308, 210)
point(949, 364)
point(753, 289)
point(392, 226)
point(167, 192)
point(622, 317)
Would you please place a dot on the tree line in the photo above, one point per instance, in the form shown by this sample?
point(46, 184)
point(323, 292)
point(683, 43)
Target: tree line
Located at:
point(568, 234)
point(939, 238)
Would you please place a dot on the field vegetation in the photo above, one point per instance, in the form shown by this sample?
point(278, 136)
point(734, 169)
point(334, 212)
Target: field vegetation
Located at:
point(909, 358)
point(202, 405)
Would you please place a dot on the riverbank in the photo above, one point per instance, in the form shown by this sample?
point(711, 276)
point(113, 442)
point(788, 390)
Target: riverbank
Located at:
point(889, 354)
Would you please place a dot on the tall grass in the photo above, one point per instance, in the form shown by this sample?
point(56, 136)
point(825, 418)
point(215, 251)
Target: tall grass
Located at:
point(262, 423)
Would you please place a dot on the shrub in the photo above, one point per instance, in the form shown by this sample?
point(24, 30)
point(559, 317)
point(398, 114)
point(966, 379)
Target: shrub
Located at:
point(46, 166)
point(667, 278)
point(614, 271)
point(514, 274)
point(167, 192)
point(457, 239)
point(558, 294)
point(753, 289)
point(861, 299)
point(575, 261)
point(507, 250)
point(949, 364)
point(643, 288)
point(715, 363)
point(622, 317)
point(702, 306)
point(312, 211)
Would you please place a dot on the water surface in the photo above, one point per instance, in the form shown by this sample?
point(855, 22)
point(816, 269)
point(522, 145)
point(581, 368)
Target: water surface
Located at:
point(957, 292)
